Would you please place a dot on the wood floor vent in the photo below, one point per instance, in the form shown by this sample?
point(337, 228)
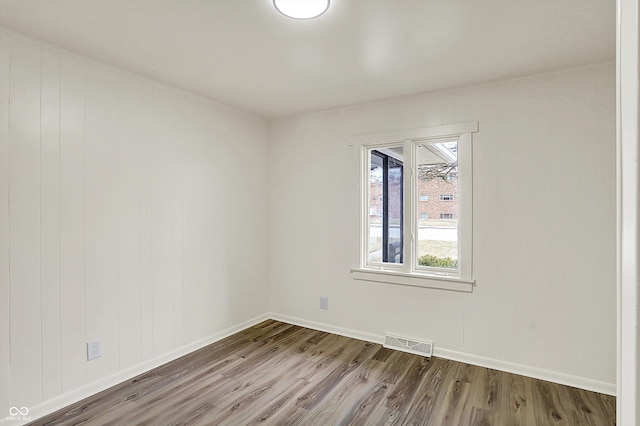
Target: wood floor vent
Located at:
point(407, 345)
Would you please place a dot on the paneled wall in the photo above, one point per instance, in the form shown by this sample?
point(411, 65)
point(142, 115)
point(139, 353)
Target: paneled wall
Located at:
point(129, 212)
point(544, 240)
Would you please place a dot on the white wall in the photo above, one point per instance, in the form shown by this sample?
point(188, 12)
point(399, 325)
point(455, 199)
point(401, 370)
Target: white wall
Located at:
point(544, 226)
point(129, 212)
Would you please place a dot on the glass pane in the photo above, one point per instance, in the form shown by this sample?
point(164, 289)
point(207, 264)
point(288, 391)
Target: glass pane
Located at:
point(438, 204)
point(375, 209)
point(394, 224)
point(386, 205)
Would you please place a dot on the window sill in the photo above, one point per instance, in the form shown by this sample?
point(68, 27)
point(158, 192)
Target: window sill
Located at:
point(413, 279)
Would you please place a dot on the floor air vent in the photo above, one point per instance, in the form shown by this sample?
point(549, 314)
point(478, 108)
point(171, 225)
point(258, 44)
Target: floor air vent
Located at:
point(407, 345)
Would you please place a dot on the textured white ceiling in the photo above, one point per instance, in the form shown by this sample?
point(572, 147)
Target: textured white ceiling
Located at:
point(245, 54)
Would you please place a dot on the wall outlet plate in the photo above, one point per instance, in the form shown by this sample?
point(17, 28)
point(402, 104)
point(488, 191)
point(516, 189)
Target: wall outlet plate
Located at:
point(324, 302)
point(94, 350)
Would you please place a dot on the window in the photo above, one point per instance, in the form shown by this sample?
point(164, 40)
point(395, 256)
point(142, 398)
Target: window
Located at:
point(400, 243)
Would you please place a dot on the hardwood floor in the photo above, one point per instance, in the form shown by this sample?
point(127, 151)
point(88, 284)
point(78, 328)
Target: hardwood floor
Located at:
point(280, 374)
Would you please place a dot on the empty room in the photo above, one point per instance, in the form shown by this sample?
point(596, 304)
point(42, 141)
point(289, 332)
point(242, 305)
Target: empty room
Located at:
point(318, 212)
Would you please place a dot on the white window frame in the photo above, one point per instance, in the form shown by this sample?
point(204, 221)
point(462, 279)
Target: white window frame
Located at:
point(409, 273)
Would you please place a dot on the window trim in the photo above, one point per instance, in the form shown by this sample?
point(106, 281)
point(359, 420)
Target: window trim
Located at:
point(413, 279)
point(409, 273)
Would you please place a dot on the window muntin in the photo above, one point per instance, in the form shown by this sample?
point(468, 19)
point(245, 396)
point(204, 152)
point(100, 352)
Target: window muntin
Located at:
point(451, 143)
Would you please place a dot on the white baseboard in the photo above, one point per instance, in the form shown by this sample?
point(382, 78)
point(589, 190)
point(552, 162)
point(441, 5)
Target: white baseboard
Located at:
point(54, 404)
point(496, 364)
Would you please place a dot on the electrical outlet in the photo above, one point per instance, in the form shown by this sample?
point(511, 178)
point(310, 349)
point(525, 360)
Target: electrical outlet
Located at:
point(324, 302)
point(93, 350)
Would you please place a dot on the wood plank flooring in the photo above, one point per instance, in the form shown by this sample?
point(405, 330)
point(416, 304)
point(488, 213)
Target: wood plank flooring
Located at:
point(280, 374)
